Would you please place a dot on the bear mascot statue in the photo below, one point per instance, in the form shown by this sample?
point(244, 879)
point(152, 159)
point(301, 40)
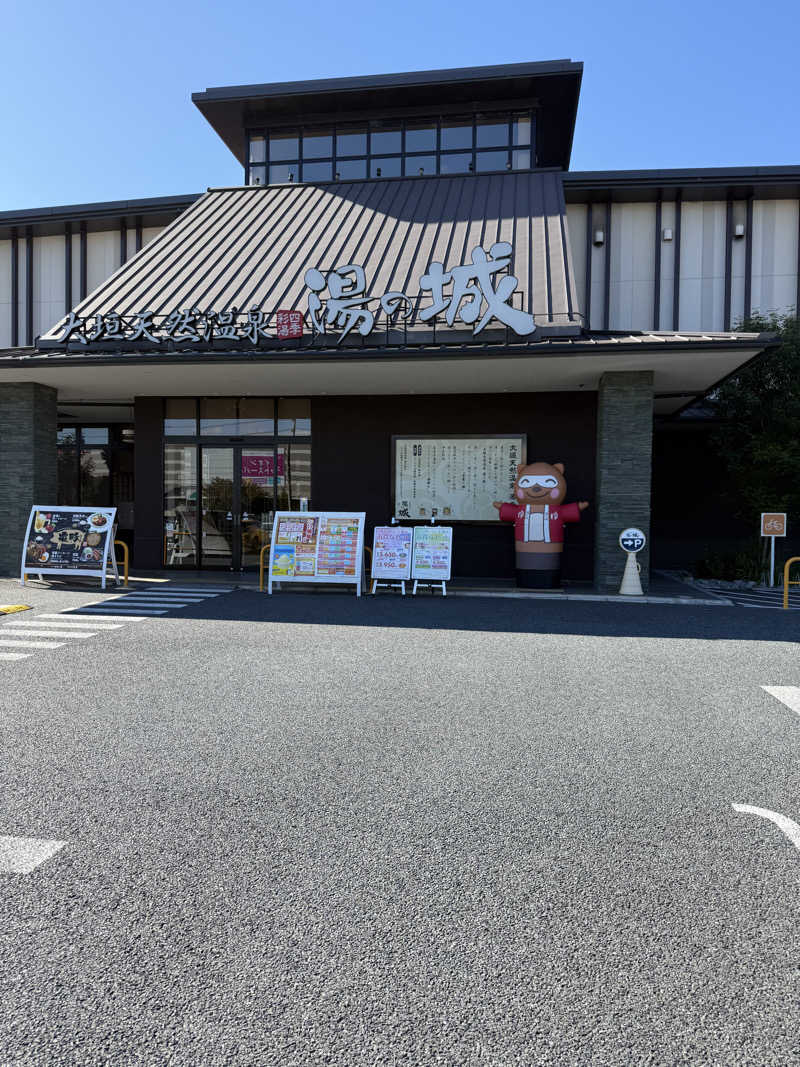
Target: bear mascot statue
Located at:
point(539, 514)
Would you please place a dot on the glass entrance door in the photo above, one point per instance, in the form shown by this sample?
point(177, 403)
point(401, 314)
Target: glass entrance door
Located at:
point(256, 467)
point(218, 492)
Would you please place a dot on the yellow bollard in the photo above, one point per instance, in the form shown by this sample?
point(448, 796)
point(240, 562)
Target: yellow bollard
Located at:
point(786, 582)
point(265, 548)
point(124, 560)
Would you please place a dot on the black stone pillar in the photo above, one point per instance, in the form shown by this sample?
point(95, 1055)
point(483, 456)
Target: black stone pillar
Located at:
point(624, 460)
point(28, 464)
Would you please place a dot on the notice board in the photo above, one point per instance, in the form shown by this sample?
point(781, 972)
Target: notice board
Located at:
point(433, 553)
point(454, 479)
point(317, 546)
point(68, 540)
point(391, 552)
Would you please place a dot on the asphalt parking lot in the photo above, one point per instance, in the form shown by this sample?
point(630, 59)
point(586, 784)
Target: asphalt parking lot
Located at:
point(311, 829)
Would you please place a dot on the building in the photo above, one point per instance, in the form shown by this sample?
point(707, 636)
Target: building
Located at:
point(153, 357)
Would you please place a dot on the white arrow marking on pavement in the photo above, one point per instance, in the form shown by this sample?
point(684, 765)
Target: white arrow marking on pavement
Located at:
point(787, 694)
point(21, 855)
point(787, 826)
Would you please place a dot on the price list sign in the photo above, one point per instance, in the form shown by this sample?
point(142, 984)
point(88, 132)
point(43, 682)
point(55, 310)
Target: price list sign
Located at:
point(391, 552)
point(454, 478)
point(433, 553)
point(317, 547)
point(71, 540)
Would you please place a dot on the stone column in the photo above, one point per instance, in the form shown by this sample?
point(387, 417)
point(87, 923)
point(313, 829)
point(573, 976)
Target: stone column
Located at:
point(28, 465)
point(624, 458)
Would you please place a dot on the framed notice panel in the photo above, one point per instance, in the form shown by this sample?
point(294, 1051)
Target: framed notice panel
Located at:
point(454, 479)
point(68, 540)
point(317, 546)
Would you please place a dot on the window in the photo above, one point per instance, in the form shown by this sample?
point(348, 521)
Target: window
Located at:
point(449, 145)
point(180, 417)
point(95, 467)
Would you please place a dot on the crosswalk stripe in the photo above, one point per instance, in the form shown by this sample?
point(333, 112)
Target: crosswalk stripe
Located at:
point(75, 635)
point(170, 594)
point(72, 624)
point(14, 655)
point(787, 694)
point(196, 589)
point(15, 643)
point(121, 613)
point(152, 604)
point(21, 855)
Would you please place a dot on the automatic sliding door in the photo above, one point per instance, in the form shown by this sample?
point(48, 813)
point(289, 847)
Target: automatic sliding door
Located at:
point(257, 468)
point(180, 506)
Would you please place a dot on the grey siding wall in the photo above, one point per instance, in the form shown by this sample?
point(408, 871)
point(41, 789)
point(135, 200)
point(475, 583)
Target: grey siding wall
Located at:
point(630, 283)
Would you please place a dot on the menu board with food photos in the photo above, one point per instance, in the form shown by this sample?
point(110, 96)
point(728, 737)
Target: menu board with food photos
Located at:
point(433, 553)
point(391, 552)
point(317, 546)
point(71, 540)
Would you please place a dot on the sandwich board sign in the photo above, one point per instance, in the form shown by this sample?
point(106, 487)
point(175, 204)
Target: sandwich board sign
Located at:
point(432, 556)
point(391, 556)
point(69, 540)
point(317, 546)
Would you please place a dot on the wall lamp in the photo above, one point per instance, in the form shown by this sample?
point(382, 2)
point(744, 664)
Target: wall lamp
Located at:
point(599, 236)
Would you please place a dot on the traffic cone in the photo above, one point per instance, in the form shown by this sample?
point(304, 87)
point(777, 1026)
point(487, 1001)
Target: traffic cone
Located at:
point(631, 583)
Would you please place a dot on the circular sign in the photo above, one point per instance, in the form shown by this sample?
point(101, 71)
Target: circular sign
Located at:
point(632, 540)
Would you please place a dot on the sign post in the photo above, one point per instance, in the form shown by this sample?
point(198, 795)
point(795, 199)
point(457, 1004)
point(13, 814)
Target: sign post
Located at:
point(69, 540)
point(631, 541)
point(773, 524)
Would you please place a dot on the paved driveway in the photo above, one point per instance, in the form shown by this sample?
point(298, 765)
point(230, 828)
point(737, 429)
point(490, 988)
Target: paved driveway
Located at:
point(316, 830)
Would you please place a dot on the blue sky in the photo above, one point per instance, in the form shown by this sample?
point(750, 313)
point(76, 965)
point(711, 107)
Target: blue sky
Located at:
point(95, 101)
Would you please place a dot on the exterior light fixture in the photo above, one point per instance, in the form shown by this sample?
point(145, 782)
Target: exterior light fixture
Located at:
point(667, 234)
point(738, 230)
point(336, 176)
point(599, 237)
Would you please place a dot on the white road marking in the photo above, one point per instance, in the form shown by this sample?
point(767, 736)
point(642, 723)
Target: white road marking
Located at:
point(74, 635)
point(16, 643)
point(14, 655)
point(787, 694)
point(196, 589)
point(72, 624)
point(177, 595)
point(153, 604)
point(21, 855)
point(109, 613)
point(786, 825)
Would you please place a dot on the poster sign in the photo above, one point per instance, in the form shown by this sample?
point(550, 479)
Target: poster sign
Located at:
point(433, 553)
point(309, 546)
point(391, 552)
point(261, 469)
point(455, 478)
point(70, 540)
point(773, 523)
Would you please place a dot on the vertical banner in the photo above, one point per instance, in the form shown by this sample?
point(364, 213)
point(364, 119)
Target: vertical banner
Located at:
point(433, 553)
point(310, 546)
point(391, 552)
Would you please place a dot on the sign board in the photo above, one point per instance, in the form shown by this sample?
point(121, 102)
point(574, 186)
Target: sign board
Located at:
point(433, 553)
point(773, 523)
point(455, 478)
point(68, 540)
point(391, 552)
point(632, 540)
point(317, 546)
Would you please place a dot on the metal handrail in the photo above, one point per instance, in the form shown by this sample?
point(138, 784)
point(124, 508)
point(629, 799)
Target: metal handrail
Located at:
point(786, 582)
